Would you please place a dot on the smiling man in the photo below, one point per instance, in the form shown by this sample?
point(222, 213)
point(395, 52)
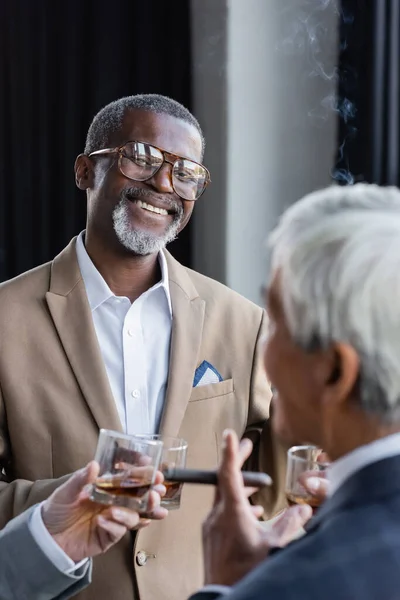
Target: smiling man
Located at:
point(115, 333)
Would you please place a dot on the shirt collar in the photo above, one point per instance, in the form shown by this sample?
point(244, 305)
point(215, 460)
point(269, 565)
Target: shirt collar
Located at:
point(97, 289)
point(340, 470)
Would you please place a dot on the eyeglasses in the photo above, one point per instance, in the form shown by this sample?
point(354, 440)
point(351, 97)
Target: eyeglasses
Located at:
point(140, 161)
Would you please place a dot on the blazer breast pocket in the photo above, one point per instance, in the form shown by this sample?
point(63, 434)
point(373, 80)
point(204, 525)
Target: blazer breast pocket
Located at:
point(211, 390)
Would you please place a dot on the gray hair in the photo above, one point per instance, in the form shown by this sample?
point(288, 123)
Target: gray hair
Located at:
point(110, 118)
point(338, 256)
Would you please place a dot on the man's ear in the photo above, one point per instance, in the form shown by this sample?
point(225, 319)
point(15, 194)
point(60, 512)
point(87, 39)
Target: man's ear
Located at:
point(84, 172)
point(344, 374)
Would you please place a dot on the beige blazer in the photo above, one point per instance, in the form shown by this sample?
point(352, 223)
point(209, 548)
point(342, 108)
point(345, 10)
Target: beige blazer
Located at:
point(55, 396)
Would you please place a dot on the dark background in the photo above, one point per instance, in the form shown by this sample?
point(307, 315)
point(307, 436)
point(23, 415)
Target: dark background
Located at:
point(369, 71)
point(60, 62)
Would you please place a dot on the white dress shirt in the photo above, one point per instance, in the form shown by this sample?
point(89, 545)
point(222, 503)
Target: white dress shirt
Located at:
point(52, 550)
point(134, 339)
point(340, 470)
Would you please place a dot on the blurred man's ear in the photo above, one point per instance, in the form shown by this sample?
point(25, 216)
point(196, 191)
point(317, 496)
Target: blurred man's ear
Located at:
point(344, 372)
point(84, 172)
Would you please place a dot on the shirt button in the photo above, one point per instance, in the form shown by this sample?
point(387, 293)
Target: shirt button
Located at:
point(135, 393)
point(131, 333)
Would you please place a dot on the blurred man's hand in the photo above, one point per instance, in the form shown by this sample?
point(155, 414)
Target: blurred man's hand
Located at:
point(316, 484)
point(84, 529)
point(234, 541)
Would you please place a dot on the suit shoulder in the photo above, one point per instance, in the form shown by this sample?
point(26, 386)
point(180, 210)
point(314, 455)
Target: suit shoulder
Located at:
point(212, 290)
point(28, 284)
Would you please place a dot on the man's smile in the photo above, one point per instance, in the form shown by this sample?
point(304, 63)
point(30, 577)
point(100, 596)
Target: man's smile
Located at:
point(151, 208)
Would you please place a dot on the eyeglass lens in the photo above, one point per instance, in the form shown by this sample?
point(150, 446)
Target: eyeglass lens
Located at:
point(140, 161)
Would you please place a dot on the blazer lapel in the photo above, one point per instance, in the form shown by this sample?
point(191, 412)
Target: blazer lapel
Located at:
point(188, 317)
point(70, 310)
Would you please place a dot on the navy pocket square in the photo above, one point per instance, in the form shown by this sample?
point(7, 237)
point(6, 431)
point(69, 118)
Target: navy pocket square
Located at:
point(206, 374)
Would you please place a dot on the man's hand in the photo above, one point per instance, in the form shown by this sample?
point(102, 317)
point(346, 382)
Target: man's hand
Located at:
point(83, 528)
point(316, 484)
point(234, 541)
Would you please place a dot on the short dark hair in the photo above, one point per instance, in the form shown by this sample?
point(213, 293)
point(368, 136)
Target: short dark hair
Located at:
point(110, 118)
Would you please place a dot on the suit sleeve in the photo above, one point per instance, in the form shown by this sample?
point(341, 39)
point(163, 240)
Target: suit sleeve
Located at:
point(18, 495)
point(25, 571)
point(269, 454)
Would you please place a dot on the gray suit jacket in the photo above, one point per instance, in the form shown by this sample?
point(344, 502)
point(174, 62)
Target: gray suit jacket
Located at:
point(25, 571)
point(351, 550)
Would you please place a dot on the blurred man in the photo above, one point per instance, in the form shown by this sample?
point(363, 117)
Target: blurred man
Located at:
point(115, 333)
point(333, 355)
point(44, 553)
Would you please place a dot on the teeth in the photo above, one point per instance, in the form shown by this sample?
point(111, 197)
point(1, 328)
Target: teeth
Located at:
point(160, 211)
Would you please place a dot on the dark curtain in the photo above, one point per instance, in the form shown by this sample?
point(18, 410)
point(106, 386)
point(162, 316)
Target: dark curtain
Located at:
point(61, 61)
point(369, 91)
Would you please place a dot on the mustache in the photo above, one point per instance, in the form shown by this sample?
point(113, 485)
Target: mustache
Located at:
point(170, 204)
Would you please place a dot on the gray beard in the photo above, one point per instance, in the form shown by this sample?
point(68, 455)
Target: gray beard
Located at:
point(137, 241)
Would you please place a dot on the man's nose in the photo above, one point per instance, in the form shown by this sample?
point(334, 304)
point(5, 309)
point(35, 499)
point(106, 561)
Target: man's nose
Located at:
point(162, 180)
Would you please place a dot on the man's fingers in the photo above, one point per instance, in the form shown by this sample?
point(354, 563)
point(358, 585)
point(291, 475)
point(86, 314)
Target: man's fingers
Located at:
point(83, 478)
point(143, 523)
point(257, 511)
point(70, 490)
point(128, 518)
point(323, 458)
point(234, 455)
point(154, 510)
point(318, 487)
point(217, 496)
point(160, 489)
point(289, 524)
point(114, 531)
point(245, 449)
point(315, 483)
point(159, 513)
point(153, 501)
point(159, 478)
point(230, 480)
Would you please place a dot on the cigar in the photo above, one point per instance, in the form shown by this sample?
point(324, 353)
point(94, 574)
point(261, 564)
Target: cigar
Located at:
point(250, 478)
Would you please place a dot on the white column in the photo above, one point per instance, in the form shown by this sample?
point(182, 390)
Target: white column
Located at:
point(258, 93)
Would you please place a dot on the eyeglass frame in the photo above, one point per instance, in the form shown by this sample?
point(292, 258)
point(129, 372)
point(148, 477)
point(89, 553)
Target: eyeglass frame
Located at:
point(119, 149)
